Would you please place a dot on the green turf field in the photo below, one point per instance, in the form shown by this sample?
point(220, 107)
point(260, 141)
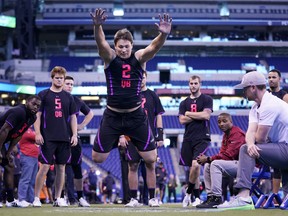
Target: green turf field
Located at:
point(120, 210)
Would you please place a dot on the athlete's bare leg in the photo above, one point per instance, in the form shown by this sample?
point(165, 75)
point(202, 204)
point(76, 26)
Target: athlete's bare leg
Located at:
point(40, 178)
point(150, 159)
point(99, 157)
point(133, 176)
point(59, 179)
point(194, 172)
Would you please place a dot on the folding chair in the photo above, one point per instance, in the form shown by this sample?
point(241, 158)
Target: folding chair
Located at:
point(257, 194)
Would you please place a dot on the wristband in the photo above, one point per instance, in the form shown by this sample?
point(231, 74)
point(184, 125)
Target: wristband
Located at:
point(159, 136)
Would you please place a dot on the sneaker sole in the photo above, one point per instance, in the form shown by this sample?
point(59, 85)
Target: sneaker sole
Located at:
point(246, 207)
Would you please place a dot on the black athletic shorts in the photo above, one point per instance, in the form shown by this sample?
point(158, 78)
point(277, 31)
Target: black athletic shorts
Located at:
point(55, 152)
point(134, 124)
point(191, 150)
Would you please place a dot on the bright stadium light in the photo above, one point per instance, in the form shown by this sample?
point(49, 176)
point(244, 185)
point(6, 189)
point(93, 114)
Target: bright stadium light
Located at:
point(118, 9)
point(7, 21)
point(224, 10)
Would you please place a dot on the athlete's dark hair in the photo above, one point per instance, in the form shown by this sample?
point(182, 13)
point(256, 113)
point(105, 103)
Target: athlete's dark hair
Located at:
point(226, 115)
point(32, 97)
point(69, 78)
point(124, 34)
point(276, 71)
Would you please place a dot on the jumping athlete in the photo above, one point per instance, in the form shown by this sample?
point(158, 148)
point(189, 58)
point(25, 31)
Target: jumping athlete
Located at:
point(124, 73)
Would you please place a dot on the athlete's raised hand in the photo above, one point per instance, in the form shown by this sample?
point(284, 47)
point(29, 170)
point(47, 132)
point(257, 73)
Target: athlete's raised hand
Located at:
point(98, 17)
point(165, 23)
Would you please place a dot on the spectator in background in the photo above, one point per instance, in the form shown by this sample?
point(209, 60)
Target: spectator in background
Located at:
point(73, 169)
point(93, 179)
point(88, 193)
point(161, 178)
point(13, 124)
point(107, 186)
point(274, 82)
point(172, 185)
point(222, 164)
point(29, 153)
point(194, 113)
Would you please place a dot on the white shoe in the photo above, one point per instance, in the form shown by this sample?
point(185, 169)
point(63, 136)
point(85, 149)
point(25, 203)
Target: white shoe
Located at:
point(238, 203)
point(196, 202)
point(36, 202)
point(133, 203)
point(60, 202)
point(153, 202)
point(12, 204)
point(23, 204)
point(83, 203)
point(160, 202)
point(186, 201)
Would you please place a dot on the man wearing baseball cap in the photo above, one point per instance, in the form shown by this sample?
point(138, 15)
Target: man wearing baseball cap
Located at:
point(266, 139)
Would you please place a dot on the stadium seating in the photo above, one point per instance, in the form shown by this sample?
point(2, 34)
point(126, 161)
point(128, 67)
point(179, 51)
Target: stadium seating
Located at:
point(197, 63)
point(112, 163)
point(165, 156)
point(172, 122)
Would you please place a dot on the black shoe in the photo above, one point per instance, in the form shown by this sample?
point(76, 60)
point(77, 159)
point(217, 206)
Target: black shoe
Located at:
point(211, 202)
point(207, 200)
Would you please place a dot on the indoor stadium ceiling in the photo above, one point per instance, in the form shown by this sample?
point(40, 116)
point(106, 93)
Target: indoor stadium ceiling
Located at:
point(169, 1)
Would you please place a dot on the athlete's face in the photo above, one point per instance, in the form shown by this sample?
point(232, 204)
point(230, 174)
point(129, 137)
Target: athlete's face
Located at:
point(273, 80)
point(68, 85)
point(250, 92)
point(58, 80)
point(123, 48)
point(33, 105)
point(144, 80)
point(224, 123)
point(194, 85)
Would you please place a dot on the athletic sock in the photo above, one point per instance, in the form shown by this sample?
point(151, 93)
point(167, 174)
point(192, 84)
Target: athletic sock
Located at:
point(196, 193)
point(151, 193)
point(79, 194)
point(190, 188)
point(133, 194)
point(10, 196)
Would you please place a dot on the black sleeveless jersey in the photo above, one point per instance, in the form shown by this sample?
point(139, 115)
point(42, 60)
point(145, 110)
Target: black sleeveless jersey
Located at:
point(123, 80)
